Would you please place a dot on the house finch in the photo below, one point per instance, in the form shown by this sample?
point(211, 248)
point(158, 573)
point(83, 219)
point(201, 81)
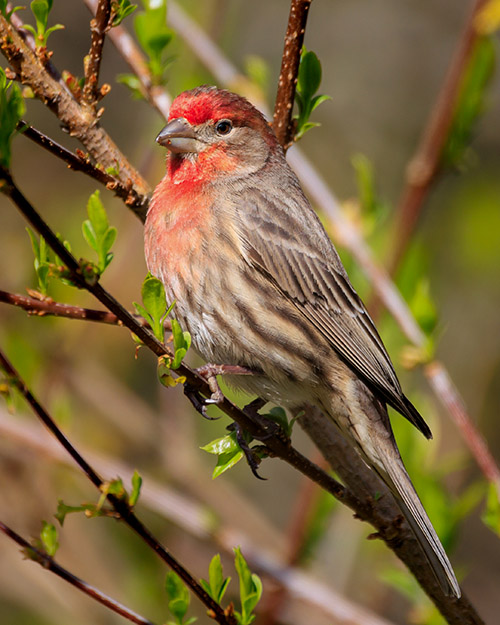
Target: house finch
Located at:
point(258, 284)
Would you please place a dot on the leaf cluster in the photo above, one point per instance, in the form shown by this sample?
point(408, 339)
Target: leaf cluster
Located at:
point(250, 587)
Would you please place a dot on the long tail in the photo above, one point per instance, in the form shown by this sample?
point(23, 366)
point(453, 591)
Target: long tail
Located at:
point(400, 484)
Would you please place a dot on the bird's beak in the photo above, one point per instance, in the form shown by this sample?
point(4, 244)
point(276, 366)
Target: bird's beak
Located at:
point(179, 137)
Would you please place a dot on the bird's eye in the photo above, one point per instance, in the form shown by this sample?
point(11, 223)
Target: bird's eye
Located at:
point(223, 127)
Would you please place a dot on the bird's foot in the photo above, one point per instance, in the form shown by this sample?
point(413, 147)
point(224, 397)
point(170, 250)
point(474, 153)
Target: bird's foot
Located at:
point(251, 457)
point(198, 401)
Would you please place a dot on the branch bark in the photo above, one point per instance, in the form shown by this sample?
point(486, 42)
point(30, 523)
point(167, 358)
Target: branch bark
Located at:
point(99, 25)
point(290, 61)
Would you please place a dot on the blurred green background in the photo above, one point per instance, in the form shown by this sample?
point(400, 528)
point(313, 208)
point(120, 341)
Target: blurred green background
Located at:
point(383, 64)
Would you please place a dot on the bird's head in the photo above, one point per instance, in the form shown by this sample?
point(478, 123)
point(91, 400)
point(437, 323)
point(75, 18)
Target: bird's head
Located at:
point(217, 128)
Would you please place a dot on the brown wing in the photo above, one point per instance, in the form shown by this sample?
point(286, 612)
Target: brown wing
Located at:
point(287, 244)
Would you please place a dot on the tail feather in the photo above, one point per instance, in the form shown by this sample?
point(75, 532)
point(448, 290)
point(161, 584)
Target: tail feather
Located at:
point(400, 484)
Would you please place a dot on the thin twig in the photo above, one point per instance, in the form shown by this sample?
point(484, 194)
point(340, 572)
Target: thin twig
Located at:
point(47, 307)
point(425, 163)
point(294, 39)
point(120, 505)
point(99, 25)
point(81, 162)
point(48, 563)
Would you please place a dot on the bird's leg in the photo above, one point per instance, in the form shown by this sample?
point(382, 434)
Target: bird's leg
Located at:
point(209, 373)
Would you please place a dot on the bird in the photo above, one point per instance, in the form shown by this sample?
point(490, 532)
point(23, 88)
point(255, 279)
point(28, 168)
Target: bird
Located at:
point(258, 284)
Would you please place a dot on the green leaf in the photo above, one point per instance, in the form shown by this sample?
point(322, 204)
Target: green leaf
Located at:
point(108, 239)
point(182, 342)
point(217, 583)
point(423, 307)
point(178, 596)
point(223, 445)
point(136, 489)
point(309, 79)
point(63, 510)
point(134, 84)
point(153, 298)
point(308, 82)
point(97, 214)
point(5, 13)
point(41, 10)
point(121, 10)
point(89, 235)
point(48, 536)
point(154, 37)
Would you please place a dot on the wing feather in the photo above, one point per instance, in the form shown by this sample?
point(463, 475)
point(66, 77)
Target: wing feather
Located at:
point(287, 244)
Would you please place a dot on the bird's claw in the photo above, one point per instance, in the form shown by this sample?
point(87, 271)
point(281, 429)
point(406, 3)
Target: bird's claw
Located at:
point(250, 456)
point(199, 402)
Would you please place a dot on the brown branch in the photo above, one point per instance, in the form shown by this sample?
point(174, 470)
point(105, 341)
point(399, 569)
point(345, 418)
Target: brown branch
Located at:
point(80, 162)
point(121, 506)
point(129, 50)
point(99, 25)
point(31, 71)
point(294, 39)
point(367, 485)
point(425, 163)
point(47, 307)
point(444, 388)
point(48, 563)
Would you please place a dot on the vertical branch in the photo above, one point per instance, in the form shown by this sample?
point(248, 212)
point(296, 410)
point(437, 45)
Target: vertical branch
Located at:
point(425, 163)
point(294, 38)
point(98, 26)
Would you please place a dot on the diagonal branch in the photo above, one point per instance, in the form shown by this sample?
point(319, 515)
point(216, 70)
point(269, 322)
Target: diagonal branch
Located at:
point(294, 39)
point(120, 505)
point(80, 162)
point(48, 563)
